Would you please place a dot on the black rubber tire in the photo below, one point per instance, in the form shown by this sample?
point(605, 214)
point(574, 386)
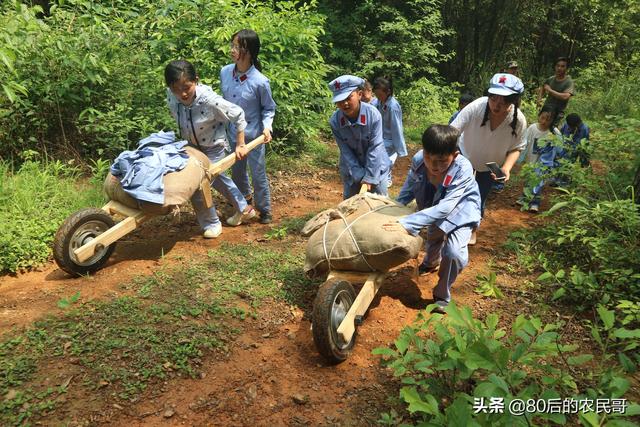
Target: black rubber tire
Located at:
point(77, 228)
point(325, 325)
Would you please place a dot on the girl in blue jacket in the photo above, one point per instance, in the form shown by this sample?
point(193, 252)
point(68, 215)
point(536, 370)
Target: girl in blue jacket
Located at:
point(243, 84)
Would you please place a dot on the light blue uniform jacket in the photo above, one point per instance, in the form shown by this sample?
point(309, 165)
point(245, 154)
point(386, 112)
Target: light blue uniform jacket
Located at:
point(455, 203)
point(251, 91)
point(392, 130)
point(140, 172)
point(362, 153)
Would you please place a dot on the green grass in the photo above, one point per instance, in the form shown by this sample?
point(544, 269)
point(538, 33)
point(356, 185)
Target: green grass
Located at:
point(164, 327)
point(34, 201)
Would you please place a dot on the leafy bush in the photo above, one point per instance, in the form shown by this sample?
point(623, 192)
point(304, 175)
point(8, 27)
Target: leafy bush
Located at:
point(88, 79)
point(447, 364)
point(425, 103)
point(34, 201)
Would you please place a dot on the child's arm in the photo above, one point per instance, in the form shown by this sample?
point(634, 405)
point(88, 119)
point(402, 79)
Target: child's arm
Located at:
point(397, 131)
point(268, 109)
point(407, 193)
point(349, 158)
point(458, 188)
point(227, 112)
point(375, 163)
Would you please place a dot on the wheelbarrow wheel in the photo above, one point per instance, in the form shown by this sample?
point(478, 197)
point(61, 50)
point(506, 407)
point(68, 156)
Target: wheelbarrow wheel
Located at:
point(77, 230)
point(333, 300)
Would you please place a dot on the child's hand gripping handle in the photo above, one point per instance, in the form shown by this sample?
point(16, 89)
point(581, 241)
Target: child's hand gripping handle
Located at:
point(220, 166)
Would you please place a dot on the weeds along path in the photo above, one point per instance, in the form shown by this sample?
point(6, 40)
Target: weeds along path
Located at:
point(269, 372)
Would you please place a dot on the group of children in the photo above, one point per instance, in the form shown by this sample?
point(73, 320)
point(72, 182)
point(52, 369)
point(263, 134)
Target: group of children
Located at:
point(451, 177)
point(244, 111)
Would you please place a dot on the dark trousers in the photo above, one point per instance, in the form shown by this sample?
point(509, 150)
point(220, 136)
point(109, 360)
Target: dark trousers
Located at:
point(485, 184)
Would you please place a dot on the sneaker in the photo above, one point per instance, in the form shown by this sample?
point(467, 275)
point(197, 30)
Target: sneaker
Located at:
point(439, 308)
point(423, 270)
point(213, 232)
point(240, 217)
point(534, 207)
point(472, 240)
point(266, 218)
point(498, 187)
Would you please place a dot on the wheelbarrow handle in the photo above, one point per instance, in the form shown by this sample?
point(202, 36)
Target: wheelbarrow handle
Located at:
point(222, 165)
point(363, 189)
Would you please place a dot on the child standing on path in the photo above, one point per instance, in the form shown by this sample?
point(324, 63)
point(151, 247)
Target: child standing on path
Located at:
point(448, 199)
point(391, 112)
point(243, 84)
point(201, 115)
point(357, 128)
point(542, 148)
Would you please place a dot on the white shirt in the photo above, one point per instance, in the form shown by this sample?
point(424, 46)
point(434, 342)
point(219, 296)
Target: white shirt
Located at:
point(532, 134)
point(482, 145)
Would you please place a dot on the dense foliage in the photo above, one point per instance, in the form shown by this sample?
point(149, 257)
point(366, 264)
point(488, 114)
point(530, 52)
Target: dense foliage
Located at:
point(87, 78)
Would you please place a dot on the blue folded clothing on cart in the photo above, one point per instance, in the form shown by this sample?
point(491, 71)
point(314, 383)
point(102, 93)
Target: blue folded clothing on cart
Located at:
point(141, 171)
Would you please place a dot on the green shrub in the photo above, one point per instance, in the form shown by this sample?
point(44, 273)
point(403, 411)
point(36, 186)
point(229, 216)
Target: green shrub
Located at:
point(449, 364)
point(88, 78)
point(33, 203)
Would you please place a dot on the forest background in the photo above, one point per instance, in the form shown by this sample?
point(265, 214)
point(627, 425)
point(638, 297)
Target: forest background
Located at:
point(82, 80)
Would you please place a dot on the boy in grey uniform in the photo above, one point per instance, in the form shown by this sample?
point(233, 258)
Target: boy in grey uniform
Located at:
point(442, 183)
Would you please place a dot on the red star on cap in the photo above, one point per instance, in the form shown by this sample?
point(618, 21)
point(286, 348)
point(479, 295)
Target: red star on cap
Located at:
point(503, 79)
point(337, 85)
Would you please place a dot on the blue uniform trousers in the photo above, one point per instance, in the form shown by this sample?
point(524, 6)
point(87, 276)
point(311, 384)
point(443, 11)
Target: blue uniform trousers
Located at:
point(450, 252)
point(257, 164)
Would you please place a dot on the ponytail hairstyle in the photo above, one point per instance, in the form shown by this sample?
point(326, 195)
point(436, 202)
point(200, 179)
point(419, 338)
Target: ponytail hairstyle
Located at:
point(384, 83)
point(511, 99)
point(175, 70)
point(250, 42)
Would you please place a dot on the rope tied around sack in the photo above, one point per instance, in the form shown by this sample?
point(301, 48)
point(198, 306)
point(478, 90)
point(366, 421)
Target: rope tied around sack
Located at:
point(346, 229)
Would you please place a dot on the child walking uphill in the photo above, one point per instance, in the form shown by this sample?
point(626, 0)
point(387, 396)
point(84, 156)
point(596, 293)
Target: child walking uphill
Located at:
point(357, 128)
point(542, 149)
point(243, 84)
point(201, 115)
point(442, 183)
point(391, 112)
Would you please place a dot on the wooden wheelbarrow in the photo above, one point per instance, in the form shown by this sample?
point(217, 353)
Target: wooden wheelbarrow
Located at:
point(86, 239)
point(338, 311)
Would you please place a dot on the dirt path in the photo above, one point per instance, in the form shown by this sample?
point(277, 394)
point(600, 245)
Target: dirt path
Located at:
point(273, 375)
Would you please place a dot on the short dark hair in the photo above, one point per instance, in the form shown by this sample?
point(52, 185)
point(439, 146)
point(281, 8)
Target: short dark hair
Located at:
point(175, 70)
point(573, 120)
point(465, 98)
point(384, 83)
point(546, 109)
point(561, 59)
point(440, 139)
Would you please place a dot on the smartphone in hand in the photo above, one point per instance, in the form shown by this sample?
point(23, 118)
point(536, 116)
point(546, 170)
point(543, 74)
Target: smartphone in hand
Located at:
point(493, 167)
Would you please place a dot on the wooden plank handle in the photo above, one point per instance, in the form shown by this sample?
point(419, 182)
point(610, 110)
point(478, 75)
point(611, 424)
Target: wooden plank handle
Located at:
point(222, 165)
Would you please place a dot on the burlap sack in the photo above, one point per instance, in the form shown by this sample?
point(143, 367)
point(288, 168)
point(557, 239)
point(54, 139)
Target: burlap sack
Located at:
point(178, 186)
point(357, 242)
point(361, 203)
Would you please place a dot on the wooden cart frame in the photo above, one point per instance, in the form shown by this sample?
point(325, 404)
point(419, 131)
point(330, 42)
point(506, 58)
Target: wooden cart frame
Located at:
point(86, 240)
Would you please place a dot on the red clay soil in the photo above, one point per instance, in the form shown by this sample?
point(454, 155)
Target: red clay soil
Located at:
point(273, 375)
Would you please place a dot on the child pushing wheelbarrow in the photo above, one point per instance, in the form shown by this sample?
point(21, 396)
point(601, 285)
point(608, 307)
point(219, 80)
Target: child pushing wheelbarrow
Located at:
point(87, 238)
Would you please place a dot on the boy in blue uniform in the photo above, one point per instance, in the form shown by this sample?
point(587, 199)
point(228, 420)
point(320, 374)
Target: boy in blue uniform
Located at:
point(442, 183)
point(357, 128)
point(576, 137)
